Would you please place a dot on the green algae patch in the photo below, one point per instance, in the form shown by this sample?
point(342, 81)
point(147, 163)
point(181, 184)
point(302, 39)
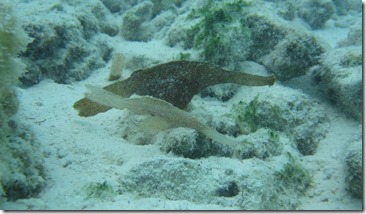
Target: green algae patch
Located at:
point(99, 190)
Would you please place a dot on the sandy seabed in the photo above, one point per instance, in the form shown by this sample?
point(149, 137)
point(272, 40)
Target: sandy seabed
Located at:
point(82, 150)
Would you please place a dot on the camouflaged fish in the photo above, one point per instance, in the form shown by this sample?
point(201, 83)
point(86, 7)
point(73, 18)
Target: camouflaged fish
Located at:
point(175, 82)
point(162, 112)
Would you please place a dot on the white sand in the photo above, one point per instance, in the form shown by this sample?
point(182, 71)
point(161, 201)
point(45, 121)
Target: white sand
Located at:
point(81, 150)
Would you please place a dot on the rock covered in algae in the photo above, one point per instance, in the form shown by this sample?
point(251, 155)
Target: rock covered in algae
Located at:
point(340, 74)
point(175, 82)
point(354, 169)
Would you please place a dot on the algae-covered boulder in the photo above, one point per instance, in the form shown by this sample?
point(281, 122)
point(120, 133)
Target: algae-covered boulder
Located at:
point(344, 6)
point(316, 12)
point(285, 50)
point(221, 92)
point(186, 143)
point(262, 144)
point(354, 169)
point(21, 160)
point(266, 32)
point(134, 20)
point(216, 29)
point(119, 6)
point(175, 179)
point(227, 182)
point(22, 171)
point(285, 110)
point(227, 33)
point(294, 55)
point(219, 31)
point(354, 37)
point(146, 20)
point(64, 47)
point(340, 73)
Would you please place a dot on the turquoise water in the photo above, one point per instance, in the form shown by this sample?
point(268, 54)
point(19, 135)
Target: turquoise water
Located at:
point(216, 133)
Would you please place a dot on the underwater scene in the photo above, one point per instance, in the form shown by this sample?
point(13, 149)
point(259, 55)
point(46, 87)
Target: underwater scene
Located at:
point(181, 105)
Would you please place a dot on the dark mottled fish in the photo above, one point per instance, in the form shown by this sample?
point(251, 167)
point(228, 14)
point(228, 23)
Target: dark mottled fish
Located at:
point(175, 82)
